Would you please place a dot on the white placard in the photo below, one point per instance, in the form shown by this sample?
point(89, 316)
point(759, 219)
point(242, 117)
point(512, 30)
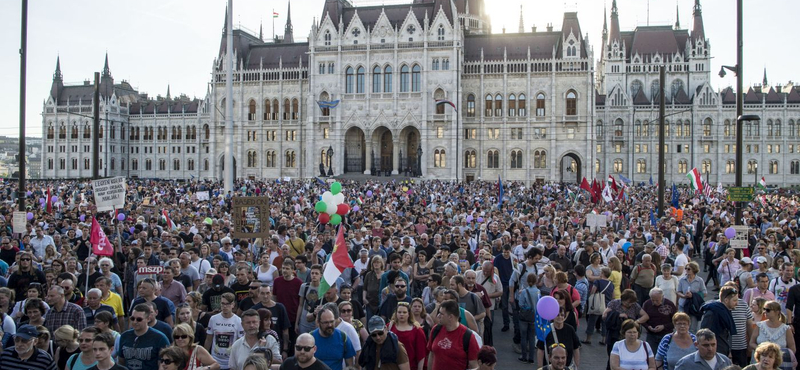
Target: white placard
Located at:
point(740, 240)
point(109, 193)
point(594, 221)
point(20, 220)
point(202, 195)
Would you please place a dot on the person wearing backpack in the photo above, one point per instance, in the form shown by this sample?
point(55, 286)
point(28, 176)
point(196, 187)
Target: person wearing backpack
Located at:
point(528, 299)
point(517, 282)
point(451, 345)
point(601, 293)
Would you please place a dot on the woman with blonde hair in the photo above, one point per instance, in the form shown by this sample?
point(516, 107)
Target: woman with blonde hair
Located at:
point(616, 276)
point(773, 329)
point(66, 338)
point(199, 358)
point(410, 333)
point(185, 315)
point(768, 357)
point(372, 284)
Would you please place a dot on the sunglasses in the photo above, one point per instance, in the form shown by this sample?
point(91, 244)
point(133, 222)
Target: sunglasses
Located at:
point(137, 319)
point(303, 348)
point(166, 361)
point(345, 311)
point(376, 334)
point(768, 310)
point(176, 337)
point(25, 259)
point(400, 286)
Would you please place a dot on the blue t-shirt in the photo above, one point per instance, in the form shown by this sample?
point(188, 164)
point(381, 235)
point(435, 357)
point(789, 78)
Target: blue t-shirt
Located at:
point(332, 350)
point(141, 353)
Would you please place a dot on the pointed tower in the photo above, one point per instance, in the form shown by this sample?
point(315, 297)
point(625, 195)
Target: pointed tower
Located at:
point(521, 21)
point(106, 70)
point(225, 23)
point(288, 32)
point(58, 81)
point(765, 82)
point(605, 28)
point(613, 34)
point(168, 95)
point(261, 31)
point(106, 81)
point(697, 28)
point(677, 17)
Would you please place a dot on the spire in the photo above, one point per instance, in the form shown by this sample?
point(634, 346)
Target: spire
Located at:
point(168, 96)
point(288, 33)
point(764, 83)
point(261, 31)
point(677, 17)
point(57, 75)
point(697, 30)
point(225, 22)
point(614, 31)
point(106, 71)
point(521, 21)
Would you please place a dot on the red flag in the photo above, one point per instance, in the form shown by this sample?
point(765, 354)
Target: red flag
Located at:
point(613, 183)
point(49, 205)
point(621, 195)
point(585, 185)
point(101, 246)
point(598, 192)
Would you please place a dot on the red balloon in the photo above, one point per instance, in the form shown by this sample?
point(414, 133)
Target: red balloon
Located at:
point(324, 218)
point(342, 209)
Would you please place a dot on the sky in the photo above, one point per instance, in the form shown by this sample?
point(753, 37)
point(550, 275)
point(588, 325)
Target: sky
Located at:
point(156, 43)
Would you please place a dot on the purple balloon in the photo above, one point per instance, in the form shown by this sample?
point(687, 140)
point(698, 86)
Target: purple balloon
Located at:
point(547, 307)
point(132, 230)
point(121, 217)
point(30, 216)
point(469, 218)
point(730, 233)
point(480, 219)
point(369, 193)
point(82, 218)
point(28, 193)
point(222, 202)
point(356, 208)
point(54, 199)
point(41, 201)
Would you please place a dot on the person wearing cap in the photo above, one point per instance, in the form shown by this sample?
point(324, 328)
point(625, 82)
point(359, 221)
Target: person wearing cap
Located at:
point(744, 275)
point(212, 298)
point(207, 283)
point(24, 355)
point(382, 350)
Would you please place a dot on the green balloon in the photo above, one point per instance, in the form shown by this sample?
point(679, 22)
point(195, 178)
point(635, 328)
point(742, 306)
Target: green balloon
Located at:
point(336, 188)
point(335, 220)
point(320, 207)
point(208, 221)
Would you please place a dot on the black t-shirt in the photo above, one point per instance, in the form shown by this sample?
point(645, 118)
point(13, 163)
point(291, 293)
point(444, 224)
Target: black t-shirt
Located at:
point(291, 364)
point(161, 303)
point(242, 291)
point(567, 337)
point(186, 281)
point(115, 367)
point(212, 299)
point(9, 255)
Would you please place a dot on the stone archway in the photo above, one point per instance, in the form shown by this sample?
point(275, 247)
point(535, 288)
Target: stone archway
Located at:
point(410, 144)
point(571, 168)
point(355, 151)
point(383, 151)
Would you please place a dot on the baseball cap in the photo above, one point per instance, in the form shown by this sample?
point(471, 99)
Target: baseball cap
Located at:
point(218, 280)
point(376, 323)
point(746, 261)
point(26, 332)
point(761, 259)
point(211, 271)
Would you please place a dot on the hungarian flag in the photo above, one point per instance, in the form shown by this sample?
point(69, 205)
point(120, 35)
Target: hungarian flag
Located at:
point(338, 262)
point(612, 183)
point(274, 14)
point(445, 101)
point(761, 184)
point(585, 185)
point(695, 179)
point(101, 246)
point(170, 225)
point(49, 203)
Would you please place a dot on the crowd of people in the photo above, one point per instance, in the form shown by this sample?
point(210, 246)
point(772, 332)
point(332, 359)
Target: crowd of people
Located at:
point(438, 269)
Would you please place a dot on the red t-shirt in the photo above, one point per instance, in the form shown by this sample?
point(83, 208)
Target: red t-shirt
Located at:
point(414, 341)
point(448, 349)
point(287, 293)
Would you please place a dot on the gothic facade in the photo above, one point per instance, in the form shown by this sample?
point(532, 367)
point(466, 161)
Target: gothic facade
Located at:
point(533, 105)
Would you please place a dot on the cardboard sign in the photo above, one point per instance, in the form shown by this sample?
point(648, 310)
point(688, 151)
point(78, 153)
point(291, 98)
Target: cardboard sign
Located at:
point(109, 194)
point(594, 221)
point(250, 217)
point(740, 241)
point(202, 195)
point(20, 221)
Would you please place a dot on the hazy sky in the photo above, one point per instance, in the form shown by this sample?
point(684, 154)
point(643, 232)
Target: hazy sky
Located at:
point(152, 43)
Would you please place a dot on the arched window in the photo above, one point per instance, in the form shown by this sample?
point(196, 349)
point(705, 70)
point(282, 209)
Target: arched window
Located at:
point(540, 112)
point(493, 159)
point(769, 129)
point(134, 164)
point(376, 79)
point(498, 105)
point(572, 103)
point(326, 112)
point(327, 38)
point(637, 127)
point(438, 95)
point(387, 79)
point(275, 107)
point(404, 78)
point(162, 164)
point(619, 127)
point(791, 128)
point(179, 135)
point(435, 64)
point(706, 166)
point(176, 165)
point(598, 129)
point(618, 166)
point(440, 33)
point(678, 129)
point(290, 159)
point(206, 132)
point(286, 109)
point(470, 158)
point(707, 123)
point(360, 80)
point(683, 166)
point(636, 86)
point(512, 105)
point(295, 109)
point(516, 159)
point(539, 159)
point(488, 105)
point(62, 132)
point(756, 129)
point(349, 80)
point(597, 167)
point(439, 158)
point(777, 128)
point(752, 166)
point(74, 131)
point(252, 158)
point(641, 166)
point(470, 105)
point(87, 131)
point(189, 164)
point(251, 111)
point(271, 158)
point(795, 168)
point(416, 82)
point(51, 132)
point(645, 128)
point(522, 106)
point(687, 129)
point(730, 167)
point(655, 90)
point(773, 167)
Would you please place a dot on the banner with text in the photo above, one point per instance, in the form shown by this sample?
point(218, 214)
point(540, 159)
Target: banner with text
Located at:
point(109, 194)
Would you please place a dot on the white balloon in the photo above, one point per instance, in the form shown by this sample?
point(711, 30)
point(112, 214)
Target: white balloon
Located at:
point(327, 197)
point(331, 210)
point(338, 199)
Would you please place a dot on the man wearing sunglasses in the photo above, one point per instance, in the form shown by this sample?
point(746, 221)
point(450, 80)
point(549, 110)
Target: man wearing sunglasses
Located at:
point(138, 347)
point(24, 354)
point(304, 350)
point(382, 351)
point(400, 295)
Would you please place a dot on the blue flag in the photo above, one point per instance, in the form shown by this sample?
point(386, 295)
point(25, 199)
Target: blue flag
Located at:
point(652, 218)
point(542, 328)
point(328, 104)
point(502, 192)
point(625, 180)
point(651, 180)
point(675, 199)
point(320, 181)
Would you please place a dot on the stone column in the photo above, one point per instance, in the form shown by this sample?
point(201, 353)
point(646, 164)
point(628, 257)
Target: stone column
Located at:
point(368, 154)
point(395, 157)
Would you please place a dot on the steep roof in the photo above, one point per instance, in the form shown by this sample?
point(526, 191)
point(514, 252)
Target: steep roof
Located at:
point(395, 13)
point(728, 96)
point(794, 96)
point(752, 97)
point(657, 39)
point(640, 98)
point(570, 24)
point(164, 106)
point(682, 98)
point(272, 54)
point(515, 44)
point(773, 97)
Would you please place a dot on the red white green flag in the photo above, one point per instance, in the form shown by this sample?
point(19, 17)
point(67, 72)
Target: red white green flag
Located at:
point(695, 179)
point(336, 265)
point(762, 184)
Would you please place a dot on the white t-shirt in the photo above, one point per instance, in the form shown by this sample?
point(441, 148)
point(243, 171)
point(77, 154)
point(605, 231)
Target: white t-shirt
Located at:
point(224, 332)
point(520, 252)
point(351, 332)
point(680, 260)
point(781, 290)
point(637, 360)
point(360, 266)
point(202, 265)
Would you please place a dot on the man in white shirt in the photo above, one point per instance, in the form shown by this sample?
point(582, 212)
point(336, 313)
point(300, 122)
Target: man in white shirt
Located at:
point(39, 242)
point(224, 329)
point(200, 264)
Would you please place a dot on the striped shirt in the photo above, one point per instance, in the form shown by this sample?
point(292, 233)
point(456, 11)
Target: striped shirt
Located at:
point(39, 360)
point(740, 315)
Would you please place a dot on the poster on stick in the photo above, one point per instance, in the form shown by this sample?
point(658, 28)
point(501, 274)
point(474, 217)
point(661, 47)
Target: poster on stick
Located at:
point(109, 194)
point(250, 217)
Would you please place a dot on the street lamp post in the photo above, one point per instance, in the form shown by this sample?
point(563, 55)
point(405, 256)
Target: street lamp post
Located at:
point(330, 161)
point(419, 161)
point(755, 173)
